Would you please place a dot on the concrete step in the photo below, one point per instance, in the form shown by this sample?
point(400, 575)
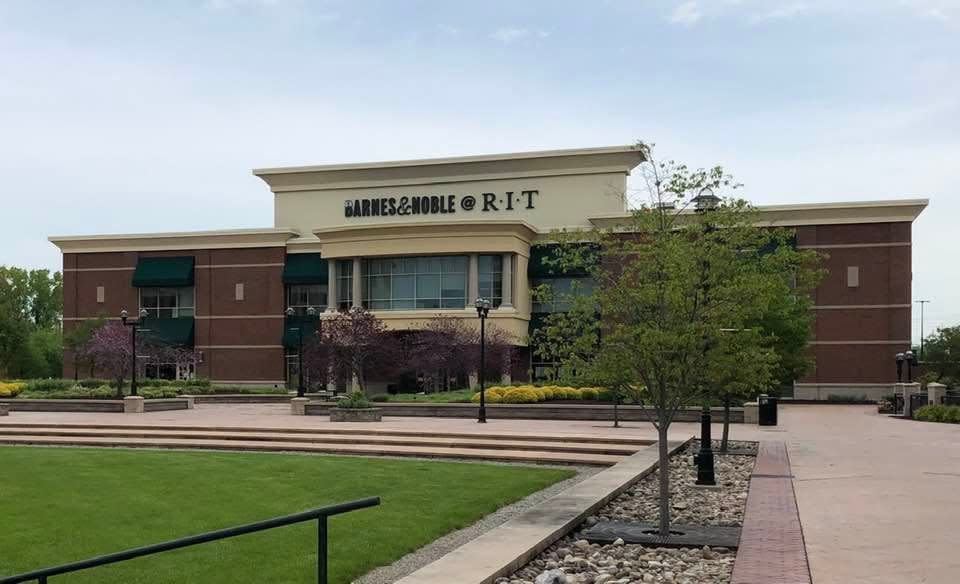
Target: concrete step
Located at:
point(348, 430)
point(482, 443)
point(499, 454)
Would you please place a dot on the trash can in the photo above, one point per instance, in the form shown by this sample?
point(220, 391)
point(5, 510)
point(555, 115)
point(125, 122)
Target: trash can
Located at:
point(767, 410)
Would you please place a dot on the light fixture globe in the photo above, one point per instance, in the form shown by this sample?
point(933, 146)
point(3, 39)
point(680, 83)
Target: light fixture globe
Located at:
point(143, 313)
point(123, 314)
point(290, 311)
point(311, 311)
point(479, 303)
point(900, 356)
point(706, 200)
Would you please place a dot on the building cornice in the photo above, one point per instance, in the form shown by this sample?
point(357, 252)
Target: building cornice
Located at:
point(612, 160)
point(838, 213)
point(434, 237)
point(189, 240)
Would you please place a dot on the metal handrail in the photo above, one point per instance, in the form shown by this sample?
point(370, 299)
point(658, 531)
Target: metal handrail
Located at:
point(321, 514)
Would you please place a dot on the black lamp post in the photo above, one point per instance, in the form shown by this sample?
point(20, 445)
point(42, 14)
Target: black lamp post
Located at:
point(900, 357)
point(705, 201)
point(911, 360)
point(311, 314)
point(134, 327)
point(483, 309)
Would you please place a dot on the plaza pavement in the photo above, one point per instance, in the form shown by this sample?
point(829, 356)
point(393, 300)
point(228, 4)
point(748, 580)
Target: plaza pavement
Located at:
point(879, 498)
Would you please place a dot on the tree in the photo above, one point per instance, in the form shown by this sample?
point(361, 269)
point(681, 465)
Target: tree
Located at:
point(75, 340)
point(109, 346)
point(740, 367)
point(359, 345)
point(31, 305)
point(941, 355)
point(450, 347)
point(670, 282)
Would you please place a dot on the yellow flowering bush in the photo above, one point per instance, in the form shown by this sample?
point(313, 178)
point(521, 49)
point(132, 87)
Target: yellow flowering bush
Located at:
point(11, 389)
point(529, 394)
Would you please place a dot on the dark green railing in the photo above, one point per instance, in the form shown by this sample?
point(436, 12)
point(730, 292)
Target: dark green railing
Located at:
point(320, 515)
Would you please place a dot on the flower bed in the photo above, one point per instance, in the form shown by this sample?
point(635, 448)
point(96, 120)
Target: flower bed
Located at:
point(529, 394)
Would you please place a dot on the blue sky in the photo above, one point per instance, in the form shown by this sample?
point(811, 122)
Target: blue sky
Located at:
point(148, 116)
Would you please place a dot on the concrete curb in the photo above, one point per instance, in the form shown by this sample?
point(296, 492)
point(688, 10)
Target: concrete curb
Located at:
point(505, 549)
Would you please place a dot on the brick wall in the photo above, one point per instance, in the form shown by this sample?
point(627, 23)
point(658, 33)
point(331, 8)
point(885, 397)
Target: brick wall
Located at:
point(239, 339)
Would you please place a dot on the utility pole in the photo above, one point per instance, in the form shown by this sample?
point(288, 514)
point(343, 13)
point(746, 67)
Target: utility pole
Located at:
point(921, 303)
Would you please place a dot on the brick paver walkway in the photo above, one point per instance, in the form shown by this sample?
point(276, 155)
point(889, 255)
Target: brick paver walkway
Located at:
point(771, 543)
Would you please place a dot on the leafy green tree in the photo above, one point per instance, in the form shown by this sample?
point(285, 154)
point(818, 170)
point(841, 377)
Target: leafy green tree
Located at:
point(670, 285)
point(31, 305)
point(941, 355)
point(742, 365)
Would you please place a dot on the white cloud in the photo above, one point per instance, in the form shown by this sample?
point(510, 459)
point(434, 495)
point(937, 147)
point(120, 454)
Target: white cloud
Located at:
point(785, 12)
point(509, 35)
point(686, 14)
point(448, 29)
point(225, 4)
point(936, 14)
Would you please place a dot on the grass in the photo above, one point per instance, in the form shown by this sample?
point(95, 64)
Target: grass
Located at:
point(65, 504)
point(456, 396)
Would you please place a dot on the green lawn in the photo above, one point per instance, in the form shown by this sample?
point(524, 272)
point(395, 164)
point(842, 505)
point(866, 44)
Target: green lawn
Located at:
point(59, 505)
point(457, 395)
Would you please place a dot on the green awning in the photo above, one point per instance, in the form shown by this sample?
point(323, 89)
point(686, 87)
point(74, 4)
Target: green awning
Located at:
point(305, 268)
point(537, 267)
point(291, 334)
point(169, 331)
point(176, 271)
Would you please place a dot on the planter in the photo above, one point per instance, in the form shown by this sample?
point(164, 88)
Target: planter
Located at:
point(355, 415)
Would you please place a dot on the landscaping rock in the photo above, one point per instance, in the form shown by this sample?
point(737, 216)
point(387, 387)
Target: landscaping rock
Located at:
point(580, 562)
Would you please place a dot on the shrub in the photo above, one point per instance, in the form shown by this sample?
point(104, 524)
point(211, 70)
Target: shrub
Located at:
point(11, 389)
point(938, 413)
point(848, 399)
point(355, 400)
point(50, 384)
point(590, 393)
point(380, 397)
point(520, 395)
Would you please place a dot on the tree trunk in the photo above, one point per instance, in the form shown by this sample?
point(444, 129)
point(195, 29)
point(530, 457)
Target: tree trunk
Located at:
point(616, 410)
point(664, 482)
point(726, 426)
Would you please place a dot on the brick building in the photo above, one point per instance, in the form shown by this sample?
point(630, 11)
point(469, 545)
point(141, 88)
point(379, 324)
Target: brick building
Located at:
point(411, 239)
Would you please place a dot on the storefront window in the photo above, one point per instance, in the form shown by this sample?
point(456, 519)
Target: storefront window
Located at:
point(490, 272)
point(303, 296)
point(408, 283)
point(344, 284)
point(561, 292)
point(167, 302)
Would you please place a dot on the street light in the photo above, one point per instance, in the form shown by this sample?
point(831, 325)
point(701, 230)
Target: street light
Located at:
point(911, 360)
point(705, 200)
point(483, 309)
point(900, 357)
point(311, 314)
point(134, 327)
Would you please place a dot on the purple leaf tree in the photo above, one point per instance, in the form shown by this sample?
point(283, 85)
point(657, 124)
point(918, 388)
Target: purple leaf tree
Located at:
point(359, 346)
point(109, 347)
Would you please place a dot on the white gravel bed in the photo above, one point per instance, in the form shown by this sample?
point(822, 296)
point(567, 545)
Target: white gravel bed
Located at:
point(575, 561)
point(440, 547)
point(689, 504)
